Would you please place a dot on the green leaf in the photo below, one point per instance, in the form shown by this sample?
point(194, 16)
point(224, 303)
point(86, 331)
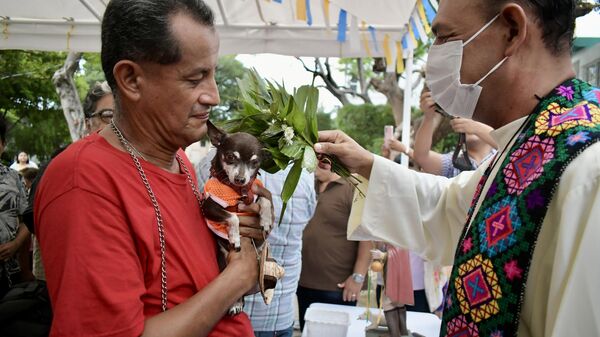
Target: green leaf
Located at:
point(289, 186)
point(309, 161)
point(293, 150)
point(312, 103)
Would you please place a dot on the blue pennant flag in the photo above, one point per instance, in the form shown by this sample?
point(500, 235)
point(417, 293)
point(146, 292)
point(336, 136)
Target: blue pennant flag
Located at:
point(342, 25)
point(405, 42)
point(414, 28)
point(278, 1)
point(374, 37)
point(429, 10)
point(309, 19)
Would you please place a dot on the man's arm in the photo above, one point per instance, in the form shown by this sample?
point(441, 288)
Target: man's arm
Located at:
point(93, 252)
point(361, 266)
point(9, 249)
point(416, 211)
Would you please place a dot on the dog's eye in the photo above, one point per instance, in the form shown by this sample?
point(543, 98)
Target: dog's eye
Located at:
point(229, 158)
point(254, 163)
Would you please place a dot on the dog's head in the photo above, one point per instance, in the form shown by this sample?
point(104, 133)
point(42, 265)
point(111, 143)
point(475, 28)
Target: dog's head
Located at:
point(239, 155)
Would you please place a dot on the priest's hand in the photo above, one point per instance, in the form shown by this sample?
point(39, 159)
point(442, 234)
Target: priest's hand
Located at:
point(349, 152)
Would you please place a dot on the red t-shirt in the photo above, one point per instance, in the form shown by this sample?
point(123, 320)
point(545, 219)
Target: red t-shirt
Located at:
point(99, 239)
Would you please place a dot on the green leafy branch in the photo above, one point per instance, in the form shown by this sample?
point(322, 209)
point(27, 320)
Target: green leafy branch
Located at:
point(286, 124)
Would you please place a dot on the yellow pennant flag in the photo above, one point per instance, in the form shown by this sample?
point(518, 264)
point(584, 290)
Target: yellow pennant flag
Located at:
point(365, 39)
point(301, 10)
point(389, 59)
point(326, 4)
point(399, 58)
point(423, 16)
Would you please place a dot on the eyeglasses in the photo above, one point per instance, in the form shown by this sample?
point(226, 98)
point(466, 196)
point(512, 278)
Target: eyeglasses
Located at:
point(105, 115)
point(460, 158)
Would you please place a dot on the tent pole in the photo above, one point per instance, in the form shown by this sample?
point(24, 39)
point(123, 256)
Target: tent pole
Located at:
point(407, 105)
point(222, 10)
point(91, 9)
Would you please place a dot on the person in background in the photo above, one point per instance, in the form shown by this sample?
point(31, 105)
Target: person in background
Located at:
point(98, 107)
point(13, 233)
point(333, 268)
point(23, 162)
point(277, 318)
point(479, 143)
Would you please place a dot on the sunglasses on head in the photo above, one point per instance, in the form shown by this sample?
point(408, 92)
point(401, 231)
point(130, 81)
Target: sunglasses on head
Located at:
point(105, 115)
point(460, 158)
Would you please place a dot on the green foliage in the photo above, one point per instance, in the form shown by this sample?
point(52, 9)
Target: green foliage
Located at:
point(285, 123)
point(324, 121)
point(30, 102)
point(365, 123)
point(229, 70)
point(446, 144)
point(90, 72)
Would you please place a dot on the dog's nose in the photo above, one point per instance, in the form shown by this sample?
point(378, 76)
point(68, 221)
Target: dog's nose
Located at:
point(240, 180)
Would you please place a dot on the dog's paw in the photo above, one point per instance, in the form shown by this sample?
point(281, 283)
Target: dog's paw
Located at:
point(266, 214)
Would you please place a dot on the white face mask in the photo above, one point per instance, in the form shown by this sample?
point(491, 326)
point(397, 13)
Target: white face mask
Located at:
point(443, 77)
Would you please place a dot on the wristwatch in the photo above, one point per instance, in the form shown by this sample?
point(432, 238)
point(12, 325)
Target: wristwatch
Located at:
point(358, 278)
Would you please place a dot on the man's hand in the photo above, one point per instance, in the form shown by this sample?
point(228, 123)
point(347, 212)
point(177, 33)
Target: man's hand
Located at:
point(351, 289)
point(428, 105)
point(8, 250)
point(245, 263)
point(250, 226)
point(353, 156)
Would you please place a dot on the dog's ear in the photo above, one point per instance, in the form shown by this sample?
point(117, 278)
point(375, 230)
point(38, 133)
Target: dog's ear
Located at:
point(265, 155)
point(215, 134)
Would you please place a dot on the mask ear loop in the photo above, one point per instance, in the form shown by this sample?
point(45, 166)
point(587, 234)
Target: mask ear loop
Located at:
point(481, 30)
point(491, 71)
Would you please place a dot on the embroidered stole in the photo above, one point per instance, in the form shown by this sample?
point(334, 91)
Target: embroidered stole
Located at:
point(492, 261)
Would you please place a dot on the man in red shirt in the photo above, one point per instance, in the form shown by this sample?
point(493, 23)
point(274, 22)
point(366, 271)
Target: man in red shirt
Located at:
point(126, 248)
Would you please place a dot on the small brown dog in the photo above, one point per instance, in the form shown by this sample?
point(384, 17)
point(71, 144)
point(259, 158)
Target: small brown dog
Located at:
point(234, 171)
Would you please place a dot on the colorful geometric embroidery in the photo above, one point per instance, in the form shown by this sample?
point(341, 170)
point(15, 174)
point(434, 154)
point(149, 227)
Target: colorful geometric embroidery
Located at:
point(592, 95)
point(477, 289)
point(497, 232)
point(527, 163)
point(579, 137)
point(556, 119)
point(487, 287)
point(566, 91)
point(459, 327)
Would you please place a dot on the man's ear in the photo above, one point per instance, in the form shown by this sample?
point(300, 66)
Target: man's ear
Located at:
point(127, 75)
point(515, 18)
point(215, 134)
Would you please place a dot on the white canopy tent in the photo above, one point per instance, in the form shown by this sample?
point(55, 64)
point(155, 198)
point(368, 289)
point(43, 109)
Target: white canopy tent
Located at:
point(328, 28)
point(245, 26)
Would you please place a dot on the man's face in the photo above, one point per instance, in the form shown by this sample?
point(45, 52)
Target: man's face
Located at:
point(175, 99)
point(102, 114)
point(459, 20)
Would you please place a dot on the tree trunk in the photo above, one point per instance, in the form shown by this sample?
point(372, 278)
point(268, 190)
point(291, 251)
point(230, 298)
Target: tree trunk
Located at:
point(394, 94)
point(69, 97)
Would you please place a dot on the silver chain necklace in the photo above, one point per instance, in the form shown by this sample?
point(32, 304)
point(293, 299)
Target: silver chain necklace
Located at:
point(159, 220)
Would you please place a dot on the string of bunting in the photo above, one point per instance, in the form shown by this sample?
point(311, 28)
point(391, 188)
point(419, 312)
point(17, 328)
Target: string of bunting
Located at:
point(418, 30)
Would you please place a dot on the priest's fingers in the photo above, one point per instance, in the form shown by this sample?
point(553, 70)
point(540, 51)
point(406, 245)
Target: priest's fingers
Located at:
point(348, 151)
